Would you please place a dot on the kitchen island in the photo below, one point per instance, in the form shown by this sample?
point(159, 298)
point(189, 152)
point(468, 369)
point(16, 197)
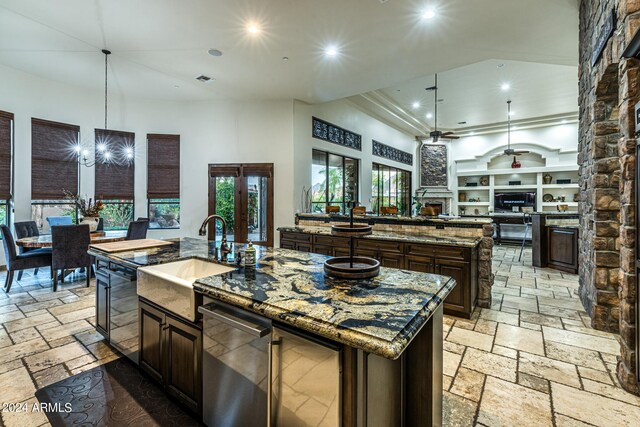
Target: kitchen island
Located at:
point(311, 348)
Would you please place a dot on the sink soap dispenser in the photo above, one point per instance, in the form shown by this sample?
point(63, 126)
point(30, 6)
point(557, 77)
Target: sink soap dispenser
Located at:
point(250, 255)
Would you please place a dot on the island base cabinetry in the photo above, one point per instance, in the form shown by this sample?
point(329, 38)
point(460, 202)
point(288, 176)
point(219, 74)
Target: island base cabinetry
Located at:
point(461, 263)
point(171, 353)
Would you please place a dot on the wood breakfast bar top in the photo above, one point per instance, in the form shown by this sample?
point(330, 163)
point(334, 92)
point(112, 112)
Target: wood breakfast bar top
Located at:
point(44, 240)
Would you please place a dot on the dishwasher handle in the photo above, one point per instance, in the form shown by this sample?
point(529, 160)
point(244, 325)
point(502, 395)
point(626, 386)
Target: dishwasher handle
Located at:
point(255, 329)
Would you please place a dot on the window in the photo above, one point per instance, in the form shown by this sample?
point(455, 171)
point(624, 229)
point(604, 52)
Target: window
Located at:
point(115, 177)
point(390, 187)
point(6, 163)
point(163, 180)
point(334, 181)
point(117, 214)
point(54, 168)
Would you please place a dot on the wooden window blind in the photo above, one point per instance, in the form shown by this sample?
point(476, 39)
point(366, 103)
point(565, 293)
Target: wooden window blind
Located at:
point(115, 178)
point(163, 166)
point(54, 166)
point(6, 139)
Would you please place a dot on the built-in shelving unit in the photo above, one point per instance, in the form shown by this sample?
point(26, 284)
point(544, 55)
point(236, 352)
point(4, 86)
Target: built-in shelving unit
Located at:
point(529, 177)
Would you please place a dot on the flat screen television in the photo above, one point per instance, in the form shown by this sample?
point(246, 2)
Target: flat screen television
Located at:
point(506, 202)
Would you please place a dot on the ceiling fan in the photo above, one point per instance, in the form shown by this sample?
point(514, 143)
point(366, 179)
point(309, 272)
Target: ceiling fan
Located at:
point(435, 134)
point(510, 151)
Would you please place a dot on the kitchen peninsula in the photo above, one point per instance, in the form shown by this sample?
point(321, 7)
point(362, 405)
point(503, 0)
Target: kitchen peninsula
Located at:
point(291, 343)
point(456, 247)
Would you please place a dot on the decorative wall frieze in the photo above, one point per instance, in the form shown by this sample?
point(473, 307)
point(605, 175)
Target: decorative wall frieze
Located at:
point(382, 150)
point(335, 134)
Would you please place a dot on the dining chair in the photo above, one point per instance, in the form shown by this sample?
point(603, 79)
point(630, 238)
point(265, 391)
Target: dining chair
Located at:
point(27, 229)
point(31, 259)
point(59, 220)
point(70, 244)
point(137, 230)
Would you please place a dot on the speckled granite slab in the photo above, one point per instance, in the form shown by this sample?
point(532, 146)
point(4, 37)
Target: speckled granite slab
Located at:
point(380, 315)
point(395, 236)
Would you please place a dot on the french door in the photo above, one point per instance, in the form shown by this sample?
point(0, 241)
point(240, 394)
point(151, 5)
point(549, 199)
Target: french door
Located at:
point(242, 193)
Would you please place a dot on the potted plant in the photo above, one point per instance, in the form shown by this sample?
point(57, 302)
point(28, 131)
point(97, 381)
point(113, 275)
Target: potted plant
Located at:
point(88, 209)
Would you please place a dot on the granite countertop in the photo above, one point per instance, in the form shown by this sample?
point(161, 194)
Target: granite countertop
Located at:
point(379, 315)
point(408, 220)
point(393, 235)
point(180, 248)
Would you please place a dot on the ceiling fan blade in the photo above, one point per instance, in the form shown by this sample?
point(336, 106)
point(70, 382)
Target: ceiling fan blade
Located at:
point(522, 152)
point(450, 137)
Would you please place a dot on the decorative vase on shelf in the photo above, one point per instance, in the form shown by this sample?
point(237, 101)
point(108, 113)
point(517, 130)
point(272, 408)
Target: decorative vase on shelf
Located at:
point(484, 181)
point(516, 164)
point(462, 197)
point(92, 221)
point(546, 178)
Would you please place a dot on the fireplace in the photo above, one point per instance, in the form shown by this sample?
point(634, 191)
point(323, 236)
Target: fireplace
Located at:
point(438, 198)
point(431, 209)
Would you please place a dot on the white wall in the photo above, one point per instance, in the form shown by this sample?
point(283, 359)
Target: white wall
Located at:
point(342, 113)
point(211, 132)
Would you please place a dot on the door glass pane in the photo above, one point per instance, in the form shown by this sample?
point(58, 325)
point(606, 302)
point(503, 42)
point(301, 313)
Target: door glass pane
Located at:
point(318, 180)
point(350, 180)
point(225, 202)
point(336, 176)
point(257, 208)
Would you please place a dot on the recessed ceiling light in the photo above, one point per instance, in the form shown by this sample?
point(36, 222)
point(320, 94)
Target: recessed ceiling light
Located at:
point(429, 115)
point(214, 52)
point(331, 51)
point(285, 58)
point(472, 133)
point(429, 14)
point(499, 65)
point(416, 104)
point(505, 86)
point(564, 121)
point(253, 28)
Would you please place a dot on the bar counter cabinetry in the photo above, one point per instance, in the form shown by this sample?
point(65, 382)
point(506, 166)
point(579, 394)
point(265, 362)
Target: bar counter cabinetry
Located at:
point(458, 262)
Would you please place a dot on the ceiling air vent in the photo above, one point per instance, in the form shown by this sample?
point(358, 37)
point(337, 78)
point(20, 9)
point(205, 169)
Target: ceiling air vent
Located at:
point(204, 79)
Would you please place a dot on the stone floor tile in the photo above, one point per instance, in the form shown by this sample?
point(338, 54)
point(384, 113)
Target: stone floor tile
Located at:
point(28, 308)
point(589, 331)
point(450, 362)
point(550, 369)
point(505, 404)
point(64, 330)
point(529, 304)
point(446, 382)
point(562, 312)
point(101, 350)
point(531, 326)
point(76, 315)
point(23, 335)
point(611, 391)
point(453, 347)
point(89, 337)
point(79, 361)
point(74, 306)
point(504, 351)
point(575, 355)
point(54, 356)
point(541, 319)
point(9, 382)
point(470, 338)
point(465, 324)
point(520, 339)
point(506, 291)
point(27, 322)
point(577, 339)
point(564, 421)
point(12, 315)
point(592, 408)
point(486, 326)
point(468, 384)
point(592, 374)
point(50, 375)
point(457, 411)
point(500, 317)
point(531, 381)
point(29, 415)
point(23, 349)
point(490, 364)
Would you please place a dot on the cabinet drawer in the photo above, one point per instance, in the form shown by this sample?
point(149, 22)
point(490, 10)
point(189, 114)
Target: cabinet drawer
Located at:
point(380, 245)
point(416, 249)
point(331, 241)
point(297, 237)
point(438, 251)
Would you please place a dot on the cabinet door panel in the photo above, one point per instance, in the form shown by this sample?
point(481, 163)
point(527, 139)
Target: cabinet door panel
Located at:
point(341, 251)
point(303, 247)
point(422, 264)
point(391, 260)
point(457, 270)
point(151, 340)
point(323, 250)
point(183, 359)
point(371, 253)
point(288, 244)
point(102, 304)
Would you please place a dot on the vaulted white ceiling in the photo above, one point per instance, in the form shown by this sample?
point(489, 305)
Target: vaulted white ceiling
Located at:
point(160, 46)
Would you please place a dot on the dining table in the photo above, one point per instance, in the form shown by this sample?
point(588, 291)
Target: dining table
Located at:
point(44, 240)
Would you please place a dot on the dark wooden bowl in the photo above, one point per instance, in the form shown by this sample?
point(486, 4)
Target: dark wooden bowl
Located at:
point(363, 267)
point(348, 231)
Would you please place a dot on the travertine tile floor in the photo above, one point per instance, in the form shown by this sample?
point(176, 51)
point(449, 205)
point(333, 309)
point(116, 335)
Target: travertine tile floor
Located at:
point(531, 360)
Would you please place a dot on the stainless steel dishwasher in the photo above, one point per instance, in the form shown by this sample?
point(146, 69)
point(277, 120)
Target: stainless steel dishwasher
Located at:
point(256, 373)
point(235, 366)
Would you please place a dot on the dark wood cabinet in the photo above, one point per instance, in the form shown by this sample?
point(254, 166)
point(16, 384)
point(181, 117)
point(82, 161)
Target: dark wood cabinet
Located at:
point(563, 248)
point(103, 291)
point(454, 261)
point(171, 353)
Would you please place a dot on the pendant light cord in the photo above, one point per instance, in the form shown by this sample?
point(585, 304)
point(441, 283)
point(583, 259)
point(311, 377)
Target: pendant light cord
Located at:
point(106, 65)
point(509, 124)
